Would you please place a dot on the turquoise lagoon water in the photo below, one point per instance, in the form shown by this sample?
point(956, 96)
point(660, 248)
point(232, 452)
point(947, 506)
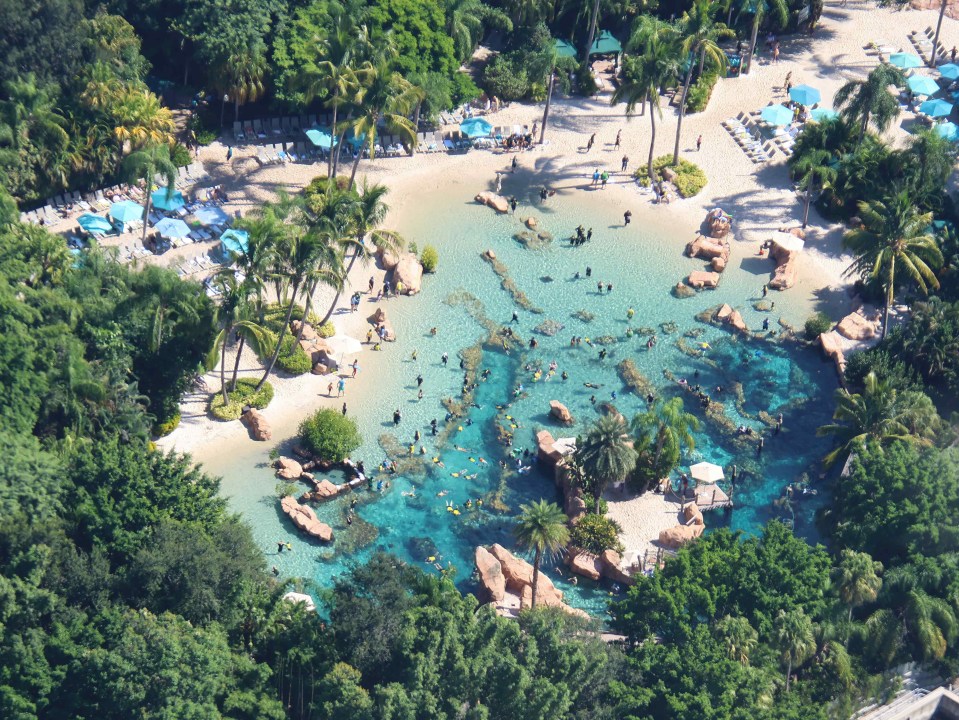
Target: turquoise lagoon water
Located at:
point(642, 262)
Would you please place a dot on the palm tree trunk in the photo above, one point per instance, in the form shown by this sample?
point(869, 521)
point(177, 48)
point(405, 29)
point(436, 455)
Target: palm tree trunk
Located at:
point(592, 30)
point(682, 113)
point(789, 672)
point(329, 168)
point(752, 45)
point(306, 311)
point(536, 561)
point(416, 127)
point(549, 99)
point(279, 340)
point(146, 214)
point(236, 108)
point(935, 40)
point(702, 62)
point(226, 337)
point(356, 164)
point(805, 217)
point(339, 145)
point(890, 290)
point(236, 363)
point(652, 141)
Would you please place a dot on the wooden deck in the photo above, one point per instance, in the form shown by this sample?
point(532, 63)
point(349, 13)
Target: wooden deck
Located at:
point(711, 497)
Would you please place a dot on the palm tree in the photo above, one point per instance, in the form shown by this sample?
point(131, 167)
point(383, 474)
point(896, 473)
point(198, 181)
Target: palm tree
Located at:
point(235, 317)
point(665, 424)
point(935, 39)
point(894, 232)
point(795, 638)
point(760, 9)
point(933, 158)
point(813, 165)
point(593, 17)
point(643, 77)
point(465, 21)
point(542, 529)
point(739, 637)
point(606, 455)
point(857, 578)
point(140, 119)
point(880, 414)
point(385, 96)
point(869, 100)
point(145, 164)
point(699, 33)
point(241, 75)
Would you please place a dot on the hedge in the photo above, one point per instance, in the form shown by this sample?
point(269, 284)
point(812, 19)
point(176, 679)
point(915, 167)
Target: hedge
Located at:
point(245, 393)
point(690, 178)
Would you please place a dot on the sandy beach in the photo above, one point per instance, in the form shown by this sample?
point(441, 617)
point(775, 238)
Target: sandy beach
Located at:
point(761, 198)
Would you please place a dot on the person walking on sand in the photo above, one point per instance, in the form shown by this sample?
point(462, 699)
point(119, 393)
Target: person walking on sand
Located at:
point(589, 145)
point(341, 388)
point(595, 177)
point(329, 390)
point(229, 153)
point(625, 163)
point(699, 143)
point(618, 134)
point(603, 179)
point(627, 217)
point(512, 204)
point(514, 164)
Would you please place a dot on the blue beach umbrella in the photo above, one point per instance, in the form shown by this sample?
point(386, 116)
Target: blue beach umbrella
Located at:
point(321, 138)
point(211, 216)
point(824, 114)
point(949, 71)
point(805, 94)
point(923, 85)
point(164, 202)
point(475, 127)
point(906, 61)
point(126, 211)
point(94, 224)
point(777, 115)
point(936, 108)
point(235, 241)
point(949, 131)
point(172, 228)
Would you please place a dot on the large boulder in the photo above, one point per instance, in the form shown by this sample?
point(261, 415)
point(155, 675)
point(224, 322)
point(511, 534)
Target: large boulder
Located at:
point(288, 468)
point(546, 595)
point(575, 507)
point(678, 535)
point(784, 277)
point(320, 369)
point(856, 327)
point(491, 577)
point(517, 571)
point(309, 334)
point(324, 490)
point(718, 223)
point(531, 223)
point(707, 248)
point(378, 317)
point(736, 320)
point(584, 563)
point(703, 279)
point(388, 259)
point(408, 271)
point(491, 199)
point(546, 449)
point(305, 519)
point(831, 345)
point(692, 514)
point(560, 412)
point(611, 562)
point(257, 424)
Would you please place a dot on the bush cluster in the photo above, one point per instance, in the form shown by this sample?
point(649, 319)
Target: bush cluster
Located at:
point(430, 259)
point(700, 91)
point(165, 428)
point(330, 435)
point(817, 325)
point(245, 393)
point(292, 358)
point(596, 533)
point(690, 178)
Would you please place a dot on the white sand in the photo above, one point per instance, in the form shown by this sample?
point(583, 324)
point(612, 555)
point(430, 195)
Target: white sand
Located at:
point(642, 519)
point(759, 196)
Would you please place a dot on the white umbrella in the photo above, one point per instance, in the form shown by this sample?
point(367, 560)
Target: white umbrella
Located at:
point(706, 472)
point(788, 241)
point(341, 345)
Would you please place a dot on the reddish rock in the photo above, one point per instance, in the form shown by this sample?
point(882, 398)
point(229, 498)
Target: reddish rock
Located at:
point(308, 332)
point(257, 424)
point(517, 572)
point(305, 519)
point(531, 223)
point(408, 274)
point(324, 489)
point(855, 327)
point(679, 535)
point(387, 258)
point(832, 347)
point(288, 468)
point(784, 276)
point(736, 320)
point(491, 199)
point(693, 515)
point(703, 279)
point(377, 317)
point(724, 312)
point(320, 369)
point(560, 412)
point(718, 264)
point(584, 563)
point(490, 573)
point(610, 562)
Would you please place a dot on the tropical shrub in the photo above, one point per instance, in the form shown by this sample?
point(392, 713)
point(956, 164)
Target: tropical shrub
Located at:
point(505, 78)
point(700, 91)
point(690, 178)
point(180, 156)
point(817, 325)
point(464, 89)
point(245, 393)
point(165, 428)
point(292, 358)
point(430, 259)
point(596, 533)
point(206, 137)
point(325, 330)
point(330, 435)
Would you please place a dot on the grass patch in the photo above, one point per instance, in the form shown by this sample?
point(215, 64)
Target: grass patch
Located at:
point(245, 393)
point(690, 178)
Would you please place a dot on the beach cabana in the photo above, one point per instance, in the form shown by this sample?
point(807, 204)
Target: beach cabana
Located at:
point(777, 115)
point(321, 138)
point(906, 61)
point(949, 71)
point(706, 472)
point(476, 127)
point(564, 49)
point(235, 242)
point(164, 201)
point(172, 228)
point(94, 224)
point(788, 241)
point(922, 85)
point(805, 95)
point(936, 108)
point(606, 44)
point(948, 130)
point(824, 114)
point(126, 211)
point(211, 216)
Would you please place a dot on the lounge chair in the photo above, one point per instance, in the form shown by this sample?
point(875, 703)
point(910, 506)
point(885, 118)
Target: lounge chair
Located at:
point(276, 126)
point(238, 131)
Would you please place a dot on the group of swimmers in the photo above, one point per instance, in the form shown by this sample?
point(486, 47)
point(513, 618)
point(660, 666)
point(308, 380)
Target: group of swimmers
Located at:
point(582, 236)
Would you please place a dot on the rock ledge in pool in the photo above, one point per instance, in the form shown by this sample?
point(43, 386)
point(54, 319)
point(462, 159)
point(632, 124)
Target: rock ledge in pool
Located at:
point(491, 199)
point(703, 279)
point(305, 519)
point(560, 412)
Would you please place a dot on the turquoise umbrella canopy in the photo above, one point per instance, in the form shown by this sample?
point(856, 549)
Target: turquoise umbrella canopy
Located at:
point(923, 85)
point(564, 49)
point(321, 138)
point(476, 127)
point(777, 115)
point(949, 71)
point(906, 61)
point(163, 201)
point(948, 130)
point(235, 241)
point(94, 224)
point(936, 108)
point(805, 94)
point(824, 114)
point(126, 211)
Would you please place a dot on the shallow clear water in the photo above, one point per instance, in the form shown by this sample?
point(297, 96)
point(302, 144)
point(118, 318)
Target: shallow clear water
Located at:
point(642, 265)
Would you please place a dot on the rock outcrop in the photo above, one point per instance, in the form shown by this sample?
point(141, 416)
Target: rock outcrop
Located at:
point(531, 223)
point(305, 519)
point(491, 577)
point(560, 412)
point(856, 327)
point(309, 334)
point(610, 562)
point(517, 575)
point(288, 468)
point(409, 272)
point(693, 515)
point(718, 222)
point(584, 563)
point(489, 254)
point(257, 424)
point(387, 258)
point(491, 199)
point(832, 346)
point(547, 453)
point(517, 571)
point(700, 279)
point(678, 535)
point(784, 276)
point(708, 249)
point(726, 315)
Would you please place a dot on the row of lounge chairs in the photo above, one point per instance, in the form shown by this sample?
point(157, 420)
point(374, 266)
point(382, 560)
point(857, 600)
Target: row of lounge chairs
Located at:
point(277, 127)
point(748, 137)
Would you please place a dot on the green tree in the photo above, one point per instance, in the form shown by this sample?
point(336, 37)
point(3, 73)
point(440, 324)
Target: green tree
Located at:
point(863, 101)
point(857, 579)
point(145, 165)
point(606, 454)
point(794, 638)
point(813, 166)
point(541, 527)
point(236, 316)
point(777, 10)
point(894, 231)
point(330, 435)
point(739, 637)
point(661, 433)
